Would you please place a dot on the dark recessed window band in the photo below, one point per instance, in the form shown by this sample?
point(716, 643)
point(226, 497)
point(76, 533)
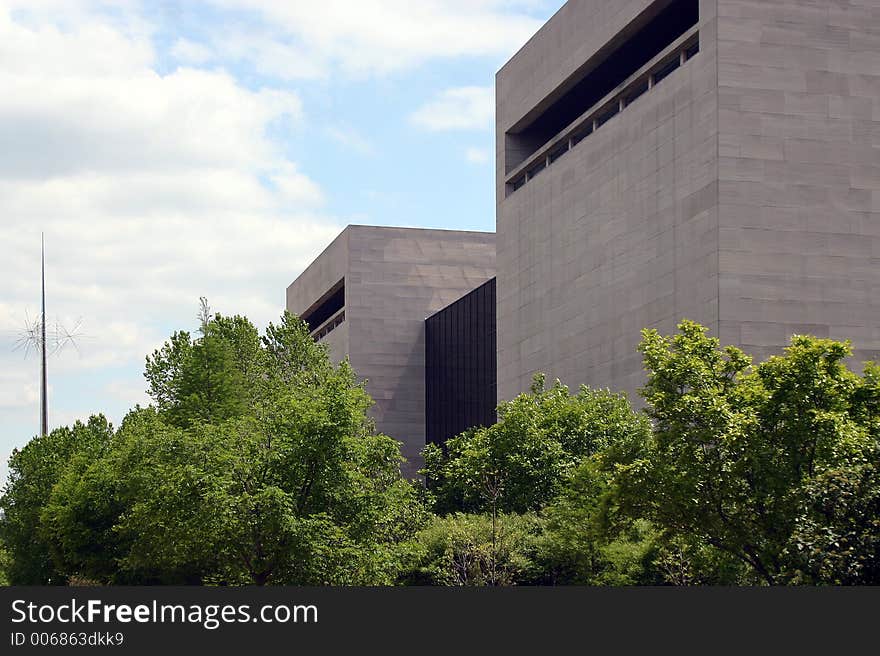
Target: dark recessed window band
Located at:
point(609, 110)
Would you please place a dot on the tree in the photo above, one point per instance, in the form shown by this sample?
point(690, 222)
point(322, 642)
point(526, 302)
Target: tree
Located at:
point(230, 370)
point(205, 379)
point(468, 550)
point(590, 541)
point(259, 465)
point(521, 462)
point(520, 465)
point(837, 536)
point(5, 562)
point(33, 472)
point(85, 516)
point(736, 448)
point(585, 543)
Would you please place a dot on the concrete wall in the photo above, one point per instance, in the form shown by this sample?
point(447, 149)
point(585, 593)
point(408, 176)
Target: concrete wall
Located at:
point(394, 279)
point(337, 343)
point(325, 271)
point(536, 74)
point(799, 172)
point(742, 192)
point(620, 234)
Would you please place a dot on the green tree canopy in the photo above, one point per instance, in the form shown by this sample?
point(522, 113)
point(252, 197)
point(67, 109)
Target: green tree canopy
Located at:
point(521, 462)
point(736, 448)
point(462, 549)
point(259, 464)
point(33, 472)
point(230, 370)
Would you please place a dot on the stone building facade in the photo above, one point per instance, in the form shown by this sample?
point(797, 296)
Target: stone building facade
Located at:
point(732, 178)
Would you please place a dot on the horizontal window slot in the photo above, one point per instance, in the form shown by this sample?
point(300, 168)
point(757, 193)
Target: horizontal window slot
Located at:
point(606, 116)
point(646, 38)
point(636, 91)
point(643, 82)
point(536, 169)
point(558, 152)
point(326, 306)
point(328, 327)
point(666, 69)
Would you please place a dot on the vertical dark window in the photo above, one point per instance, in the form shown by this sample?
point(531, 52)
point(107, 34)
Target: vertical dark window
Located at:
point(460, 365)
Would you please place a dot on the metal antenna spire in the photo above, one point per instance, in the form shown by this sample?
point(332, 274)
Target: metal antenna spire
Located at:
point(34, 336)
point(44, 404)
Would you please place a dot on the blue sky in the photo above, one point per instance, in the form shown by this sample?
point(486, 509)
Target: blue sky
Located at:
point(171, 150)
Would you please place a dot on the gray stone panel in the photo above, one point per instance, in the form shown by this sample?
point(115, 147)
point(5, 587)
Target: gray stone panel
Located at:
point(622, 232)
point(799, 166)
point(337, 343)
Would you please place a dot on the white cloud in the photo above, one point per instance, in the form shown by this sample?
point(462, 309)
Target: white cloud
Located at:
point(129, 392)
point(461, 108)
point(269, 52)
point(19, 390)
point(350, 138)
point(157, 186)
point(190, 120)
point(191, 52)
point(309, 39)
point(293, 189)
point(152, 190)
point(476, 155)
point(49, 39)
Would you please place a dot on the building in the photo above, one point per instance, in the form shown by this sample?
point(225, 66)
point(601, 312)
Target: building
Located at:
point(717, 160)
point(367, 297)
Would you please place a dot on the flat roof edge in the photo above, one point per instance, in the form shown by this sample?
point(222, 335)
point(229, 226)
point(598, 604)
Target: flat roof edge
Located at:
point(419, 228)
point(532, 38)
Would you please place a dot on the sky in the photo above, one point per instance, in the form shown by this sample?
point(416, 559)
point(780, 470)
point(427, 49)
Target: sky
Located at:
point(173, 150)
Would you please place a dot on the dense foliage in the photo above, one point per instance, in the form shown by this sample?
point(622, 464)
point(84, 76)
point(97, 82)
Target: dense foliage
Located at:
point(746, 474)
point(33, 472)
point(521, 462)
point(773, 465)
point(258, 463)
